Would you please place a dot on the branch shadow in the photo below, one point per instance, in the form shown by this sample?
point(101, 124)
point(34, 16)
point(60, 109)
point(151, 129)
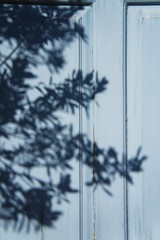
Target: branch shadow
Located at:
point(32, 135)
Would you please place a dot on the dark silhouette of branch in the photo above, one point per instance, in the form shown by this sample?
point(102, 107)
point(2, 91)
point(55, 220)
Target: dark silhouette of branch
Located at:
point(10, 55)
point(33, 136)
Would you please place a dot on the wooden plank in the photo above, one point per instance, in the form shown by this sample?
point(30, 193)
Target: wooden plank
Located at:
point(72, 222)
point(108, 116)
point(144, 118)
point(88, 67)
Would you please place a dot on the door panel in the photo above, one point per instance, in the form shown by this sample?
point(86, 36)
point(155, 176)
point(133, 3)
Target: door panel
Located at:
point(109, 115)
point(100, 206)
point(143, 36)
point(71, 164)
point(42, 59)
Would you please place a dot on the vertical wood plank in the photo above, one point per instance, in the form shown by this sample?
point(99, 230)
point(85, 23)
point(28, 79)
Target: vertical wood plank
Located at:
point(88, 67)
point(71, 224)
point(144, 118)
point(109, 114)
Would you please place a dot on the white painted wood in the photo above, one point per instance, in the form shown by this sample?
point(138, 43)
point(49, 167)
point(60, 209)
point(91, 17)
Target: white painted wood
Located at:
point(144, 118)
point(96, 212)
point(109, 115)
point(76, 221)
point(93, 214)
point(88, 66)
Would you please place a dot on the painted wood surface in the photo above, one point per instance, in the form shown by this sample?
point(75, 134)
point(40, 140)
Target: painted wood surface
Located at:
point(143, 118)
point(109, 115)
point(75, 215)
point(104, 192)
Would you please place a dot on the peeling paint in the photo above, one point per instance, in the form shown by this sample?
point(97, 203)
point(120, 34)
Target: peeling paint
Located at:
point(148, 236)
point(151, 17)
point(94, 237)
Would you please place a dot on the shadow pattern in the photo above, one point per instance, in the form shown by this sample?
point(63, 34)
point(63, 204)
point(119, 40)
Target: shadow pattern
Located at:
point(32, 135)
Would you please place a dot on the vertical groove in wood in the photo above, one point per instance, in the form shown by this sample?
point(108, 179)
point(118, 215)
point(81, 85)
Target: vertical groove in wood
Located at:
point(94, 189)
point(125, 121)
point(93, 117)
point(80, 153)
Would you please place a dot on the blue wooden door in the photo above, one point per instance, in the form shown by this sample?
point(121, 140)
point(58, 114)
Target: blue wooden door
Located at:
point(79, 120)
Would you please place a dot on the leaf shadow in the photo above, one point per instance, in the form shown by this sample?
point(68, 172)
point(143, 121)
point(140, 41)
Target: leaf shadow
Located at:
point(33, 136)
